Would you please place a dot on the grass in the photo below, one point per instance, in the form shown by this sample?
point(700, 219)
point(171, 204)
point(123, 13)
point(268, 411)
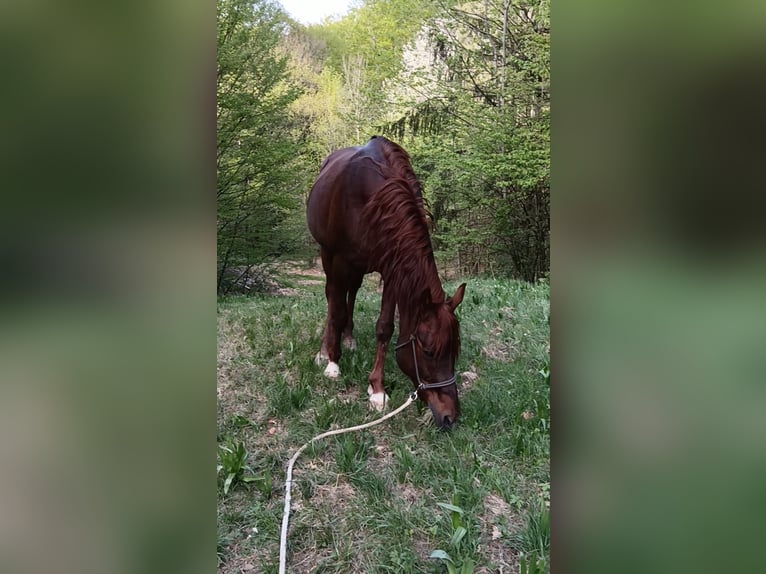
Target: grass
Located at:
point(375, 501)
point(535, 539)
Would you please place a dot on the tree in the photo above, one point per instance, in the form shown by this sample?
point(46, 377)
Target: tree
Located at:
point(254, 147)
point(477, 90)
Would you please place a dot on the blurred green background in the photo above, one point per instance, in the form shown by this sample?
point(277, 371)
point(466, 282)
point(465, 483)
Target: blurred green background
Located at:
point(658, 278)
point(107, 288)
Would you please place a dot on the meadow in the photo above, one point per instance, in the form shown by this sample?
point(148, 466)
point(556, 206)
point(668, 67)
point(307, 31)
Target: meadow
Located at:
point(401, 497)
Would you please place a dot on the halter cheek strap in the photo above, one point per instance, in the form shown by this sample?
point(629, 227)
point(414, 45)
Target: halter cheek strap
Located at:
point(421, 384)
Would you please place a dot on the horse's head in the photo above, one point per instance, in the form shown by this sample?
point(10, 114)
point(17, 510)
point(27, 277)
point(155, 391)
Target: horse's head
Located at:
point(427, 355)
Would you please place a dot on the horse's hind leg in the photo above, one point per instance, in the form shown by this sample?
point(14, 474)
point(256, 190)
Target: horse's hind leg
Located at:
point(337, 312)
point(323, 356)
point(355, 281)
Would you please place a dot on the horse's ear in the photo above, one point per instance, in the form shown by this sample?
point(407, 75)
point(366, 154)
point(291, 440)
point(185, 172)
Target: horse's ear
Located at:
point(457, 298)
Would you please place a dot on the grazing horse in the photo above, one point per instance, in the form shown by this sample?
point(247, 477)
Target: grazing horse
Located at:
point(366, 212)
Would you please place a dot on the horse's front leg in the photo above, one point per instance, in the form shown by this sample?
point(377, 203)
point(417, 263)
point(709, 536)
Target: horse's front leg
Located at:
point(384, 328)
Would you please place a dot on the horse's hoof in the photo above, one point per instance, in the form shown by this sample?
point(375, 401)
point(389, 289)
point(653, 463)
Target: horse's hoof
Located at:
point(349, 343)
point(332, 371)
point(379, 401)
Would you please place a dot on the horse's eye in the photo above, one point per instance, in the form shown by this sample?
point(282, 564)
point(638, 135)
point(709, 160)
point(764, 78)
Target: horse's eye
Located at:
point(429, 354)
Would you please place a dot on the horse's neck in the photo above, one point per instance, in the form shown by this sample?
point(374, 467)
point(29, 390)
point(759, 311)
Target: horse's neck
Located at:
point(407, 298)
point(405, 259)
point(419, 272)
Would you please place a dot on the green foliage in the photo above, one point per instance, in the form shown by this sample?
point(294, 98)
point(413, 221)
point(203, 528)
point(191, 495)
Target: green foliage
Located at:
point(348, 65)
point(534, 541)
point(353, 452)
point(232, 469)
point(222, 543)
point(231, 464)
point(479, 120)
point(284, 397)
point(461, 564)
point(374, 27)
point(537, 566)
point(254, 147)
point(405, 462)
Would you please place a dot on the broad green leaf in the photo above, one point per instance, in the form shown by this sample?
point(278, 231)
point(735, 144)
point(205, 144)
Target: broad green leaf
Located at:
point(450, 507)
point(227, 482)
point(457, 536)
point(441, 555)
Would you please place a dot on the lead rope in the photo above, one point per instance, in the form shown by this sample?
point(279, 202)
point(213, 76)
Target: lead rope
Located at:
point(289, 479)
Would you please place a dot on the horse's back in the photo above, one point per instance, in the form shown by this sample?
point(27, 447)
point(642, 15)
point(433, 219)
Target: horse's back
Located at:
point(347, 180)
point(345, 183)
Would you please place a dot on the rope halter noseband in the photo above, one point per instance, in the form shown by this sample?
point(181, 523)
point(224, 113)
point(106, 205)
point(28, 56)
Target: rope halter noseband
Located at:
point(421, 385)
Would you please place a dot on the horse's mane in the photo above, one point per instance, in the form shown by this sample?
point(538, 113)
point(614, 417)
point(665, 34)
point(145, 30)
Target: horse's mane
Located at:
point(399, 161)
point(399, 164)
point(397, 225)
point(399, 244)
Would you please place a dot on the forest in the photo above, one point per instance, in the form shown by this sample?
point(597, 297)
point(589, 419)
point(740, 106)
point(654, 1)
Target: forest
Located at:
point(464, 87)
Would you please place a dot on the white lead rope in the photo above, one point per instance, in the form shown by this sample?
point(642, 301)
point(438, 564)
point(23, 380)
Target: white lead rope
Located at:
point(289, 479)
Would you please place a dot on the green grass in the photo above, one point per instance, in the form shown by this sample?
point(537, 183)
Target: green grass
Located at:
point(534, 540)
point(369, 501)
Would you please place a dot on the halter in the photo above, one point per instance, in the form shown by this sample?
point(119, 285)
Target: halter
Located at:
point(421, 385)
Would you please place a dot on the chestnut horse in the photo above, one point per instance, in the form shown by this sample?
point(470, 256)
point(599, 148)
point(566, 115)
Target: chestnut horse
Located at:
point(366, 212)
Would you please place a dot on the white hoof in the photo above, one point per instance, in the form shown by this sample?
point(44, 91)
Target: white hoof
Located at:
point(349, 343)
point(378, 401)
point(320, 358)
point(332, 371)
